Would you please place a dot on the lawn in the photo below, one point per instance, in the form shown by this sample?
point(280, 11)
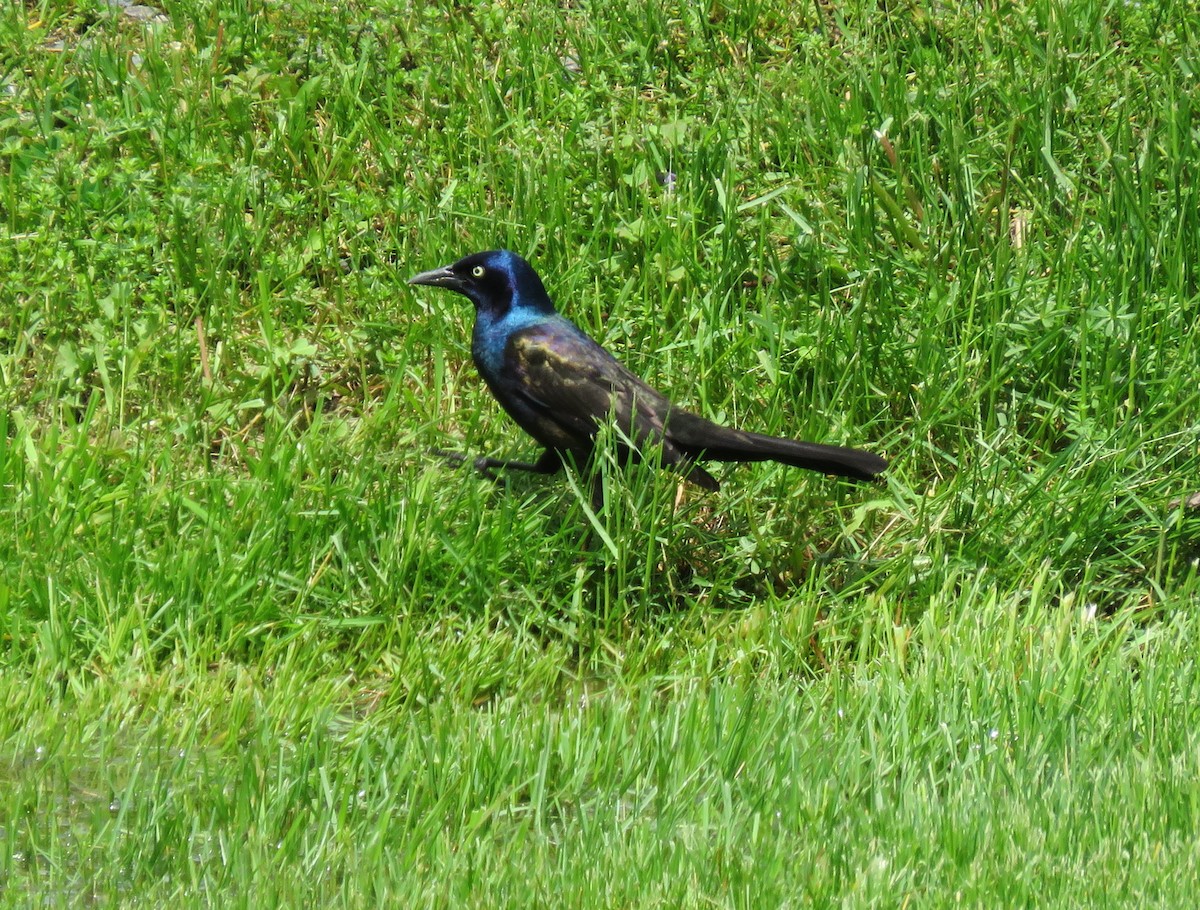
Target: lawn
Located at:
point(259, 647)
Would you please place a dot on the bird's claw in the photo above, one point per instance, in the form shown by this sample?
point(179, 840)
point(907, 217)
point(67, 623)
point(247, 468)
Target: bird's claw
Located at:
point(482, 464)
point(452, 457)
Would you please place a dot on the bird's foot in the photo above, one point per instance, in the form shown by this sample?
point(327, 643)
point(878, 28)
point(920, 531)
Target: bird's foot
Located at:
point(482, 464)
point(455, 458)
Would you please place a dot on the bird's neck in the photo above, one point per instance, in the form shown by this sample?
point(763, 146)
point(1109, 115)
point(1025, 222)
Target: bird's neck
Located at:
point(518, 310)
point(495, 326)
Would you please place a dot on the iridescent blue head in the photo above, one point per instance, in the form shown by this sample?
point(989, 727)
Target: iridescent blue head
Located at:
point(495, 281)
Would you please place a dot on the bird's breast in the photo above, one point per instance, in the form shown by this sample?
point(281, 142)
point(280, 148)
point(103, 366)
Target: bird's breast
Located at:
point(487, 350)
point(490, 338)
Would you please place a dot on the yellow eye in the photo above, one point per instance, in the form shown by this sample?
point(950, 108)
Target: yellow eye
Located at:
point(477, 271)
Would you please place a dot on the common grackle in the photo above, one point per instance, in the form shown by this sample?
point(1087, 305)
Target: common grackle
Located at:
point(560, 386)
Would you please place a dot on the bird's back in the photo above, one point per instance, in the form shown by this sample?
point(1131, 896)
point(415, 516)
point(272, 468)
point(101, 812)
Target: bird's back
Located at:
point(559, 384)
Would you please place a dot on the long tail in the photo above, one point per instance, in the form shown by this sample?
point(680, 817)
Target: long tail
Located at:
point(700, 438)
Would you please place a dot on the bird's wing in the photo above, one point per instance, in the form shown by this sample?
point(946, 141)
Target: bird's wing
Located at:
point(570, 379)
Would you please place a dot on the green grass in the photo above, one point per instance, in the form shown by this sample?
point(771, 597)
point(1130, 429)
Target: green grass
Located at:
point(258, 648)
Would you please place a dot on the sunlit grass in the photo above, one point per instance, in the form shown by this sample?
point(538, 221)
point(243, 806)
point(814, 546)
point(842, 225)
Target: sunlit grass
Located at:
point(259, 644)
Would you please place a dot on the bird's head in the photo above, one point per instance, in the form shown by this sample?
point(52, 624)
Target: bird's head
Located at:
point(495, 281)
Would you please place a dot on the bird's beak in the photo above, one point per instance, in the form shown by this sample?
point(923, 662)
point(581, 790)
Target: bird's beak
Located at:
point(438, 278)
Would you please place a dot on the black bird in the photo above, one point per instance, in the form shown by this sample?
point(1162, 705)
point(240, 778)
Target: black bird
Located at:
point(560, 386)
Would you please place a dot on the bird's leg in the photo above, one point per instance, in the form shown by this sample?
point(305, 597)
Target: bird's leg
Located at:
point(597, 492)
point(548, 463)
